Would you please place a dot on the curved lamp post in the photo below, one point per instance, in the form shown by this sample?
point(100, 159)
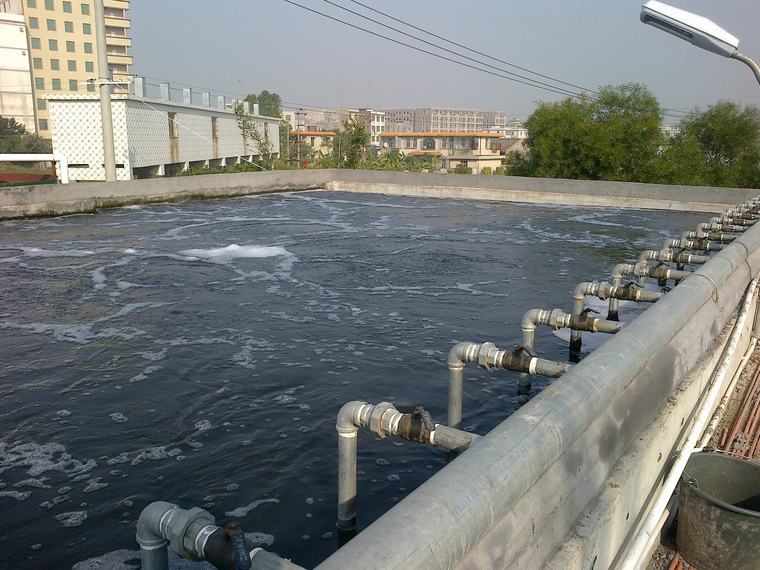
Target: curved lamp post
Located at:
point(695, 29)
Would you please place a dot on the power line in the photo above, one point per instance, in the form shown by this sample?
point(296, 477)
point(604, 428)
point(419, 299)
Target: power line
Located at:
point(456, 53)
point(422, 50)
point(471, 49)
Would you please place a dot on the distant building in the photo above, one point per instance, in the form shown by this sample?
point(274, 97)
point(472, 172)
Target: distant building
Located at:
point(314, 119)
point(671, 130)
point(440, 119)
point(318, 141)
point(16, 98)
point(476, 150)
point(153, 137)
point(62, 50)
point(374, 121)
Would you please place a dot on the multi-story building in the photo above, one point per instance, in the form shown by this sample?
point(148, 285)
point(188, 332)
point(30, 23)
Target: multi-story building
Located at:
point(470, 149)
point(374, 121)
point(438, 119)
point(16, 101)
point(63, 51)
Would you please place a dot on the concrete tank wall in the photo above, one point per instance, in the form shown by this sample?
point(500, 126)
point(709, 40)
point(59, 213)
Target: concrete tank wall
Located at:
point(73, 198)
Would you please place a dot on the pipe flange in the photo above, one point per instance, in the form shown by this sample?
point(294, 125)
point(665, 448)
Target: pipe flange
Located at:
point(484, 354)
point(178, 526)
point(376, 417)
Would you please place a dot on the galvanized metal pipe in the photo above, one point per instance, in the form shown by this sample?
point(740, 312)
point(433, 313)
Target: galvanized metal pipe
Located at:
point(488, 355)
point(511, 473)
point(193, 534)
point(693, 244)
point(382, 419)
point(603, 290)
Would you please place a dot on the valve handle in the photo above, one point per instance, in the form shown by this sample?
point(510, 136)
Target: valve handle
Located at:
point(237, 537)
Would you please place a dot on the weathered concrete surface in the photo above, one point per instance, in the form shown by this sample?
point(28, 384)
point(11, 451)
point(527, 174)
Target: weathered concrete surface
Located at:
point(543, 190)
point(87, 197)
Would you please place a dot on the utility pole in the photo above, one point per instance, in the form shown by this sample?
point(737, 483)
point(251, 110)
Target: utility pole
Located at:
point(104, 85)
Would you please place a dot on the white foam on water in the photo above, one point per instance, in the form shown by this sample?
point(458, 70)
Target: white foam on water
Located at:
point(18, 495)
point(144, 374)
point(37, 459)
point(79, 334)
point(235, 251)
point(241, 512)
point(38, 252)
point(72, 519)
point(130, 251)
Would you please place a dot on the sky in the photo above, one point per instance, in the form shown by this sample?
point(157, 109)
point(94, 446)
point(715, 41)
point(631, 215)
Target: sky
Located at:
point(244, 46)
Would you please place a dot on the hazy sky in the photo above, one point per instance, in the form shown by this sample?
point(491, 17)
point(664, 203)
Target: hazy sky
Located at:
point(242, 46)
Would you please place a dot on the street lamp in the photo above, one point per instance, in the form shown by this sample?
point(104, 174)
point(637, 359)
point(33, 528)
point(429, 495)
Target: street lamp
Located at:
point(695, 29)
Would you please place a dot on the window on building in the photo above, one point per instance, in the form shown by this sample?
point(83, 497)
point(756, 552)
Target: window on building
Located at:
point(85, 9)
point(49, 5)
point(70, 47)
point(31, 3)
point(87, 47)
point(51, 25)
point(43, 124)
point(73, 85)
point(72, 65)
point(67, 7)
point(41, 104)
point(55, 64)
point(53, 45)
point(89, 67)
point(69, 27)
point(91, 87)
point(39, 83)
point(36, 43)
point(34, 23)
point(37, 63)
point(86, 29)
point(56, 84)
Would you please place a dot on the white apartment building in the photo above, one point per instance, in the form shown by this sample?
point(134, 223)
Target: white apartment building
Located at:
point(442, 119)
point(153, 137)
point(16, 98)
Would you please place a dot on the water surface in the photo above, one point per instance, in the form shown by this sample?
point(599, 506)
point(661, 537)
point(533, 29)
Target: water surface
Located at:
point(198, 352)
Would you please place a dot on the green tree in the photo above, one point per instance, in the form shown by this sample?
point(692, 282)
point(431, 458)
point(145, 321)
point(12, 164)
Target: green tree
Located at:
point(722, 144)
point(614, 136)
point(15, 139)
point(270, 103)
point(351, 145)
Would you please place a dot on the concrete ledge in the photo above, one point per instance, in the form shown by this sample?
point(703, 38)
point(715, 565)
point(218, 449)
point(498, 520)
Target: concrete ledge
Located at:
point(87, 197)
point(53, 200)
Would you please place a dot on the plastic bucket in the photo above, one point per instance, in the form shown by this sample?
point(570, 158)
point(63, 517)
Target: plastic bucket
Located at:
point(719, 512)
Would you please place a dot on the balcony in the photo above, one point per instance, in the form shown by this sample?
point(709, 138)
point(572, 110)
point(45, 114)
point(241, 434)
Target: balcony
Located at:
point(121, 41)
point(118, 22)
point(119, 59)
point(118, 4)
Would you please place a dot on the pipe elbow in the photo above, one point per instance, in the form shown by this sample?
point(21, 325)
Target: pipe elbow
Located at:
point(530, 319)
point(648, 255)
point(149, 534)
point(462, 353)
point(582, 289)
point(349, 416)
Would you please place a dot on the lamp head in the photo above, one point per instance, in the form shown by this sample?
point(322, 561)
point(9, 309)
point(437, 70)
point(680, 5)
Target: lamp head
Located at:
point(693, 28)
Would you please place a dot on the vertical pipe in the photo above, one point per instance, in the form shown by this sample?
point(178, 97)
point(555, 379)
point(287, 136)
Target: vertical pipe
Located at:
point(109, 154)
point(456, 387)
point(154, 558)
point(347, 480)
point(576, 341)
